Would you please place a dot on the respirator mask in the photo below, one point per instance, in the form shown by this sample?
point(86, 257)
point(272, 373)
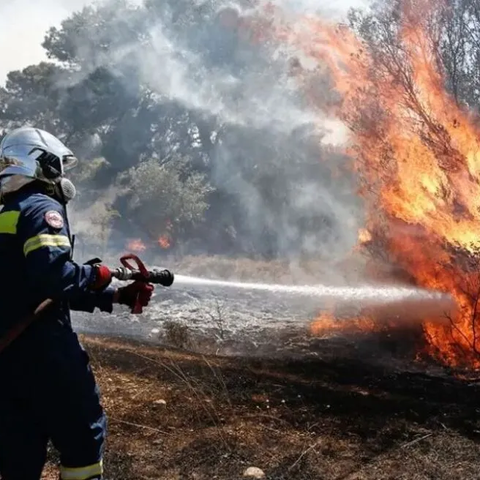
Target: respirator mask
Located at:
point(65, 190)
point(52, 168)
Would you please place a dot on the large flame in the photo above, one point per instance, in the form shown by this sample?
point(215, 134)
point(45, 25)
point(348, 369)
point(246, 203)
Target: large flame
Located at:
point(417, 156)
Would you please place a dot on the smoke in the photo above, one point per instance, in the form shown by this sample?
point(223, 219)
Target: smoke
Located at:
point(270, 153)
point(290, 202)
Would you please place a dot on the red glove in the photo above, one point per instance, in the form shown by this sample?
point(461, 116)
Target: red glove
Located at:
point(136, 295)
point(102, 277)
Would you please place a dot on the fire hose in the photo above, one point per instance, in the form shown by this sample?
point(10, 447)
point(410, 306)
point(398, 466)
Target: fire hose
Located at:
point(127, 272)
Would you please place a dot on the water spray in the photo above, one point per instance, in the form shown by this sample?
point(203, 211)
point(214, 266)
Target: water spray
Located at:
point(373, 293)
point(409, 300)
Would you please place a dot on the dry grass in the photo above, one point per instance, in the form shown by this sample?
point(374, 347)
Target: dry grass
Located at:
point(180, 416)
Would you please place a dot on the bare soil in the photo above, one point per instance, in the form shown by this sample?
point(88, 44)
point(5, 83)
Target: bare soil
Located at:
point(178, 415)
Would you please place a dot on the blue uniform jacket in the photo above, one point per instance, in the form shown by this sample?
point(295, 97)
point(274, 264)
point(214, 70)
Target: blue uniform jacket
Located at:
point(36, 263)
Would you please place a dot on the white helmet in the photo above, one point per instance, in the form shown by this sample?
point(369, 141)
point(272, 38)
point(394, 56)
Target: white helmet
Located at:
point(29, 154)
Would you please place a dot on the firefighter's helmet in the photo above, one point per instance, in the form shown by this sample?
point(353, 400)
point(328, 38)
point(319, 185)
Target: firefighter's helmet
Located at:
point(28, 154)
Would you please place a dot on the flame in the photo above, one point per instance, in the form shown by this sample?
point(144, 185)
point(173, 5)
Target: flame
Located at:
point(164, 242)
point(327, 324)
point(416, 153)
point(136, 245)
point(364, 236)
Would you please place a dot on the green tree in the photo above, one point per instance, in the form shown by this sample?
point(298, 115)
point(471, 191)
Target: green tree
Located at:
point(166, 198)
point(34, 95)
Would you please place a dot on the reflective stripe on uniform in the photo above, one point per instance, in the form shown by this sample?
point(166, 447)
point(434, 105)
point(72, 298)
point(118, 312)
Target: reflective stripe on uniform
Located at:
point(45, 240)
point(8, 222)
point(82, 473)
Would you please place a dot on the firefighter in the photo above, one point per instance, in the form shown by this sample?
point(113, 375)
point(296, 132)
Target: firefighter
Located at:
point(47, 391)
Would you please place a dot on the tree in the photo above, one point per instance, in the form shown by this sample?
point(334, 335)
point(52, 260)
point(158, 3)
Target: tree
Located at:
point(34, 95)
point(453, 28)
point(165, 199)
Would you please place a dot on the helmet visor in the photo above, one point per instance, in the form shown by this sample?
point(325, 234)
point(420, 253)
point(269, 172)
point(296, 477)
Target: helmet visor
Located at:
point(69, 162)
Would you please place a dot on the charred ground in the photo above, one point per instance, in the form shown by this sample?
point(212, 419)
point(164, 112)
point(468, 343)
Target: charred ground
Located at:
point(177, 415)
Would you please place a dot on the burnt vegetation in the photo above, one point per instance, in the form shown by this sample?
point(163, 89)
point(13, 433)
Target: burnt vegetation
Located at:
point(182, 416)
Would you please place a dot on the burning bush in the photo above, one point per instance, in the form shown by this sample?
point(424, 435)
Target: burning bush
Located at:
point(414, 144)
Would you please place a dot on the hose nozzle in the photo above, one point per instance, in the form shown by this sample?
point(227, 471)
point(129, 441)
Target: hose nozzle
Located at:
point(161, 277)
point(156, 276)
point(128, 272)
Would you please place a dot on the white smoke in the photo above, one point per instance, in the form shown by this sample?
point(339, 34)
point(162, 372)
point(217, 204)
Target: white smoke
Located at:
point(253, 98)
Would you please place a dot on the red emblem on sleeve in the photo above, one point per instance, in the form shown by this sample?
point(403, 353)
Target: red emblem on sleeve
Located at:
point(54, 219)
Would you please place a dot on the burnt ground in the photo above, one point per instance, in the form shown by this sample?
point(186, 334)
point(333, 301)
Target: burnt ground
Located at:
point(179, 415)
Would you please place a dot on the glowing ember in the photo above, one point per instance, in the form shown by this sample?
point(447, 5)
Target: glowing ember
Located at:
point(136, 246)
point(164, 242)
point(417, 155)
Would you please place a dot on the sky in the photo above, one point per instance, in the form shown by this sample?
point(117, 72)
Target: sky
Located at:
point(23, 24)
